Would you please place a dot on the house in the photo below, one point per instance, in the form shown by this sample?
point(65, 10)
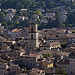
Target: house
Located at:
point(55, 45)
point(3, 64)
point(3, 67)
point(62, 38)
point(44, 21)
point(1, 28)
point(53, 19)
point(63, 55)
point(22, 74)
point(15, 33)
point(63, 12)
point(68, 0)
point(0, 9)
point(52, 38)
point(36, 71)
point(44, 46)
point(71, 57)
point(50, 15)
point(19, 33)
point(68, 64)
point(70, 37)
point(22, 10)
point(14, 69)
point(31, 60)
point(2, 72)
point(47, 64)
point(45, 52)
point(73, 10)
point(9, 16)
point(51, 72)
point(41, 10)
point(22, 18)
point(64, 64)
point(25, 33)
point(63, 15)
point(48, 33)
point(11, 10)
point(9, 42)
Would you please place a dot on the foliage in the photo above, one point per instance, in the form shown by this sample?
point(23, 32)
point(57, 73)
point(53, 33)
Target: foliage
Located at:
point(61, 71)
point(37, 12)
point(63, 45)
point(33, 7)
point(73, 31)
point(1, 16)
point(47, 55)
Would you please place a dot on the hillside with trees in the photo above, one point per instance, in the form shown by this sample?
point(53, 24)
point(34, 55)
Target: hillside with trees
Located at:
point(41, 8)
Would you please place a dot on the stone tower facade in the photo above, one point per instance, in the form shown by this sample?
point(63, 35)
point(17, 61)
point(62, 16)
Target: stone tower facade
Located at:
point(33, 36)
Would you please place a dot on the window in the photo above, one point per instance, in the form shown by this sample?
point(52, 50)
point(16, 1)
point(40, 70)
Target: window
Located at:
point(32, 29)
point(31, 36)
point(44, 48)
point(65, 66)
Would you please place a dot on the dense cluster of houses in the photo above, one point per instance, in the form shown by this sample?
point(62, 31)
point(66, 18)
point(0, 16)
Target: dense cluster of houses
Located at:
point(30, 51)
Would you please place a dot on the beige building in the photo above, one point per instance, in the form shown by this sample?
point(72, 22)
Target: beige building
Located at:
point(72, 63)
point(33, 36)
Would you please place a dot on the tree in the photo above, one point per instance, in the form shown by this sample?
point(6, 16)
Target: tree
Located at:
point(61, 71)
point(63, 45)
point(47, 55)
point(1, 16)
point(59, 20)
point(73, 31)
point(37, 12)
point(42, 25)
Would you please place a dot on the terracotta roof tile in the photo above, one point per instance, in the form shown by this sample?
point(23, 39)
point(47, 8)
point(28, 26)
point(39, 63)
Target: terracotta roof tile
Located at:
point(32, 55)
point(16, 30)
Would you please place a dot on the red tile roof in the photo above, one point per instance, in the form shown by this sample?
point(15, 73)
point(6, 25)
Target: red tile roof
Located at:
point(16, 30)
point(26, 28)
point(32, 55)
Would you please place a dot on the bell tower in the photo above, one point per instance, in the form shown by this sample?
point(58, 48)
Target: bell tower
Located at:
point(33, 36)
